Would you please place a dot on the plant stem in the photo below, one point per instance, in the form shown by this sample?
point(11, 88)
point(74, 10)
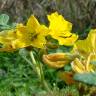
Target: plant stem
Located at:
point(35, 64)
point(43, 79)
point(29, 62)
point(39, 71)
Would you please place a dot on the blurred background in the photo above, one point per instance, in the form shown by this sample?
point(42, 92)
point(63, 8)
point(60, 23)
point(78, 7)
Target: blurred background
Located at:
point(82, 13)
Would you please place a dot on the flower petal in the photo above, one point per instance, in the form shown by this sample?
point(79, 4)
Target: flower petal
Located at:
point(60, 29)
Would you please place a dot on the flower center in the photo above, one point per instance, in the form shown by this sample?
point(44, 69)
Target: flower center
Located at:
point(33, 36)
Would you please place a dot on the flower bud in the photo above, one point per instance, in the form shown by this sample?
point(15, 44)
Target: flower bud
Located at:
point(57, 60)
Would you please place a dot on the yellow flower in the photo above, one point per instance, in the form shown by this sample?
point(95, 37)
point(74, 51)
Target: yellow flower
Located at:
point(88, 45)
point(60, 29)
point(6, 40)
point(85, 65)
point(58, 60)
point(87, 49)
point(33, 34)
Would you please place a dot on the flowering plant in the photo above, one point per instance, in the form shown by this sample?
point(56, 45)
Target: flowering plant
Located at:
point(40, 41)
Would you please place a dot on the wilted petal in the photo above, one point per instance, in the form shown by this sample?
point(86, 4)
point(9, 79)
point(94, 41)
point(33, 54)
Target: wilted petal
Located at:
point(67, 77)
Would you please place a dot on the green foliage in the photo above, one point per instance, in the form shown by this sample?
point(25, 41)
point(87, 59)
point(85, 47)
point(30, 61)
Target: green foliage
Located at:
point(4, 19)
point(88, 78)
point(18, 79)
point(4, 22)
point(67, 91)
point(16, 76)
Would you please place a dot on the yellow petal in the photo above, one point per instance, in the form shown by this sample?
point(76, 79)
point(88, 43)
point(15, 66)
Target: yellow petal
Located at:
point(57, 22)
point(68, 40)
point(6, 39)
point(33, 34)
point(57, 60)
point(54, 64)
point(77, 66)
point(82, 66)
point(39, 40)
point(88, 45)
point(60, 29)
point(32, 24)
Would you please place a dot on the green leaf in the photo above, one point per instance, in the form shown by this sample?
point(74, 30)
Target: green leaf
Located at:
point(67, 67)
point(93, 62)
point(4, 19)
point(5, 27)
point(88, 78)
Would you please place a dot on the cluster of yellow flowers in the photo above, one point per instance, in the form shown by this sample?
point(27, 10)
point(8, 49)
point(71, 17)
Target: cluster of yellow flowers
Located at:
point(34, 34)
point(82, 58)
point(87, 49)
